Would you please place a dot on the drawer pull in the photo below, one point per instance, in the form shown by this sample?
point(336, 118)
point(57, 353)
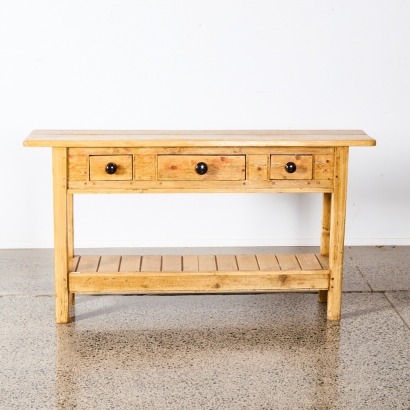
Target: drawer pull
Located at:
point(111, 168)
point(201, 168)
point(290, 167)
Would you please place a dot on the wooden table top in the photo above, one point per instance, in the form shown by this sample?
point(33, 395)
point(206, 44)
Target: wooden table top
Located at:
point(198, 138)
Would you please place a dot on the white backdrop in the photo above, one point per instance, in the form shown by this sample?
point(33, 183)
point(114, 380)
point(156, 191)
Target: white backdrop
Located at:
point(225, 64)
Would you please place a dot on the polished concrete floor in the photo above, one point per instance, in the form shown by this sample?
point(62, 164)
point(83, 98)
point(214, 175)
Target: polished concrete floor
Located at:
point(254, 351)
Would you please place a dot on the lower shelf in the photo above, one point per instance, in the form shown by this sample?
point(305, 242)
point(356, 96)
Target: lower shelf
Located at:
point(197, 273)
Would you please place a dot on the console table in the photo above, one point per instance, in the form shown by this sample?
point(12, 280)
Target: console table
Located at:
point(86, 162)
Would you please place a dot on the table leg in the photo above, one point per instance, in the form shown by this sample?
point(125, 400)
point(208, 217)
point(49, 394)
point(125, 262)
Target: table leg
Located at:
point(325, 236)
point(70, 225)
point(337, 233)
point(60, 234)
point(70, 235)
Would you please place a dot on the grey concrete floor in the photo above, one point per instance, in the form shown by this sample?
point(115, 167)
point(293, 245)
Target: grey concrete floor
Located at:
point(254, 351)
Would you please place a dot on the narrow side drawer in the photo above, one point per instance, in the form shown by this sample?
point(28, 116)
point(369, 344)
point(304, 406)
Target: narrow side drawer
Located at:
point(281, 166)
point(98, 165)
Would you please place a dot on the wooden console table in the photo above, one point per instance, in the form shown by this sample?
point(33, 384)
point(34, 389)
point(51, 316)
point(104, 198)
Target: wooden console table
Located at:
point(87, 162)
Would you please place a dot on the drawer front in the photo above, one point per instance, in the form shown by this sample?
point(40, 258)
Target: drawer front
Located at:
point(201, 167)
point(291, 166)
point(110, 167)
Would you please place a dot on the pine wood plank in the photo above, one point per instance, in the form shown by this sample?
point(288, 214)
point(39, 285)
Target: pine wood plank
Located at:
point(337, 231)
point(226, 263)
point(271, 186)
point(247, 263)
point(190, 263)
point(288, 262)
point(77, 167)
point(109, 263)
point(61, 246)
point(324, 167)
point(151, 263)
point(267, 262)
point(207, 263)
point(326, 214)
point(324, 261)
point(70, 225)
point(73, 263)
point(257, 167)
point(130, 263)
point(88, 263)
point(172, 263)
point(308, 261)
point(224, 150)
point(284, 138)
point(197, 282)
point(145, 167)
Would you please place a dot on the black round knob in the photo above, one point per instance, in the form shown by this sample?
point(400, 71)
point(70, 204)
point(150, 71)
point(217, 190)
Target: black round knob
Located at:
point(290, 167)
point(201, 168)
point(111, 168)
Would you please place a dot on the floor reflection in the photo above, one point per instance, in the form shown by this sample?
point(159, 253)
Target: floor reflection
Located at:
point(152, 363)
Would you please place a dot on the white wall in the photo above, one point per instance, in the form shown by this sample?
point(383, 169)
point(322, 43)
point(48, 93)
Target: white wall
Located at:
point(230, 64)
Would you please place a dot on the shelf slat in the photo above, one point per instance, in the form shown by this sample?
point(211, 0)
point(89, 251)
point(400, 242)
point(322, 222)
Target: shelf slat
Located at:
point(130, 263)
point(308, 261)
point(226, 263)
point(207, 263)
point(109, 263)
point(288, 262)
point(267, 262)
point(88, 263)
point(151, 263)
point(172, 263)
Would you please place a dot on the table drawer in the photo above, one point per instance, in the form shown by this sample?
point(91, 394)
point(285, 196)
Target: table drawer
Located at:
point(201, 167)
point(110, 167)
point(291, 166)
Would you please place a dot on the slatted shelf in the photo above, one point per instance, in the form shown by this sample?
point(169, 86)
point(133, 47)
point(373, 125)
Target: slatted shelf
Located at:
point(197, 273)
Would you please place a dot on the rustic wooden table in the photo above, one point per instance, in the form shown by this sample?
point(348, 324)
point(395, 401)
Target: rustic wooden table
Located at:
point(199, 161)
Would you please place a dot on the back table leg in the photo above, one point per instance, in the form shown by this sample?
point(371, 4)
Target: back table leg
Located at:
point(325, 236)
point(337, 233)
point(60, 235)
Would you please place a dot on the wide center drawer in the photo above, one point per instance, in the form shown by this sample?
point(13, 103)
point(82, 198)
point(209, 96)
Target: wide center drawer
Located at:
point(201, 167)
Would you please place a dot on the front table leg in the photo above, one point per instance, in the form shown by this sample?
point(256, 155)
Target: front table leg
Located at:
point(60, 235)
point(70, 236)
point(337, 233)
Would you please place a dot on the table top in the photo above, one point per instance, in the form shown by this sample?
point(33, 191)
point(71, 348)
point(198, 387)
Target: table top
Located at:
point(198, 138)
